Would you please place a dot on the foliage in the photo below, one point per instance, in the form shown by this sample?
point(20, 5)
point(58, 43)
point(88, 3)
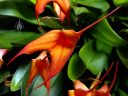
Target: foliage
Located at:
point(95, 51)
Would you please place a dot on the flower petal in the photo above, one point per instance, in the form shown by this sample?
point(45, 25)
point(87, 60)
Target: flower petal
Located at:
point(2, 53)
point(80, 92)
point(58, 11)
point(59, 57)
point(71, 93)
point(45, 42)
point(62, 8)
point(40, 6)
point(80, 85)
point(40, 66)
point(33, 72)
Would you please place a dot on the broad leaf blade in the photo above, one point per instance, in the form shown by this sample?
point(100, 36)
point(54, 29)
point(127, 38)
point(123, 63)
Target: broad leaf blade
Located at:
point(120, 2)
point(99, 4)
point(81, 10)
point(75, 67)
point(9, 38)
point(93, 60)
point(104, 32)
point(24, 81)
point(55, 90)
point(17, 78)
point(19, 10)
point(52, 22)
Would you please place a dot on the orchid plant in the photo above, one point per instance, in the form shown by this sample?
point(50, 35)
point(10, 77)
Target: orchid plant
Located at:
point(64, 42)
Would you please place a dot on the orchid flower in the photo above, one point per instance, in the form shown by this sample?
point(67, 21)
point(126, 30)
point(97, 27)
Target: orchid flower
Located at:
point(82, 90)
point(2, 53)
point(62, 8)
point(57, 47)
point(60, 13)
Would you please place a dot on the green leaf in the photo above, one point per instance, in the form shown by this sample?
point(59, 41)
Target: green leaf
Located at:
point(4, 73)
point(19, 10)
point(99, 4)
point(94, 60)
point(81, 10)
point(17, 78)
point(42, 90)
point(103, 47)
point(52, 22)
point(33, 1)
point(57, 85)
point(24, 81)
point(9, 38)
point(75, 67)
point(55, 90)
point(123, 55)
point(120, 2)
point(104, 32)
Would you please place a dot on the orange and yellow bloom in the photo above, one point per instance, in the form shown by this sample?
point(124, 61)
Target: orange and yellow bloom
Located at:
point(61, 7)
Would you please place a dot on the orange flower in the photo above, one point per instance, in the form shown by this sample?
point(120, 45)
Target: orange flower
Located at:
point(62, 8)
point(82, 90)
point(2, 53)
point(59, 44)
point(40, 66)
point(56, 46)
point(60, 12)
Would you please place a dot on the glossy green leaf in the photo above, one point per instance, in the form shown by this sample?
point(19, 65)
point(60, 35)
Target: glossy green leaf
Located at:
point(4, 73)
point(24, 81)
point(99, 4)
point(17, 78)
point(75, 67)
point(120, 2)
point(19, 10)
point(56, 86)
point(42, 90)
point(9, 38)
point(103, 47)
point(123, 55)
point(93, 60)
point(52, 22)
point(104, 32)
point(33, 1)
point(81, 10)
